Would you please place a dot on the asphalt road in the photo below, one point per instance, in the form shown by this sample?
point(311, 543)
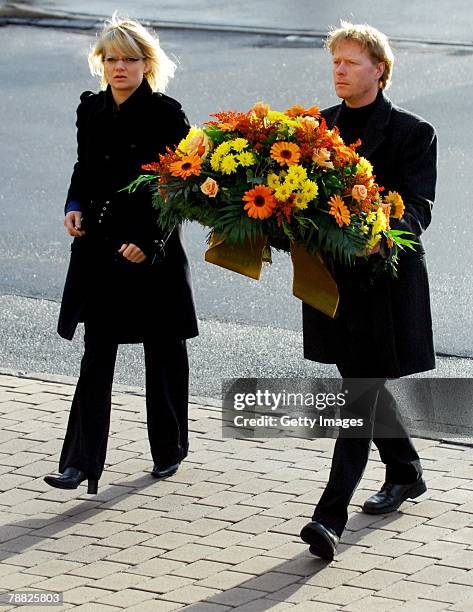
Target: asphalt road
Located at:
point(423, 19)
point(256, 326)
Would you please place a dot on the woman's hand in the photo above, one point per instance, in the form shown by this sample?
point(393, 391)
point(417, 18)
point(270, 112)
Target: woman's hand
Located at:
point(131, 252)
point(72, 222)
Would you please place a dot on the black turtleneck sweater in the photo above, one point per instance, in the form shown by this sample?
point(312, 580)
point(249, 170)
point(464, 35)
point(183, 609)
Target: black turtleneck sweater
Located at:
point(352, 121)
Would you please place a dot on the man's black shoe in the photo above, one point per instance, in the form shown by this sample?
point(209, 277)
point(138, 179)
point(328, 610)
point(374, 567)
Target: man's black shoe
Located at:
point(323, 540)
point(392, 496)
point(165, 472)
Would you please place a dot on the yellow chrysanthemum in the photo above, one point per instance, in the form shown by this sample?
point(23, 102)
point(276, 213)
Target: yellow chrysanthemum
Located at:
point(215, 161)
point(274, 116)
point(282, 193)
point(297, 172)
point(273, 180)
point(238, 144)
point(310, 189)
point(282, 119)
point(364, 229)
point(228, 165)
point(364, 167)
point(301, 201)
point(291, 182)
point(370, 217)
point(278, 117)
point(223, 149)
point(381, 223)
point(246, 158)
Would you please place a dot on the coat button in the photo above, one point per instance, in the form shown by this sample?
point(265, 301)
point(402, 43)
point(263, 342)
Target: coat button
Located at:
point(104, 208)
point(100, 220)
point(107, 202)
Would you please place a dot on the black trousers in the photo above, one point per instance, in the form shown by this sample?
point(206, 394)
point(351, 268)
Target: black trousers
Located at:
point(167, 388)
point(378, 409)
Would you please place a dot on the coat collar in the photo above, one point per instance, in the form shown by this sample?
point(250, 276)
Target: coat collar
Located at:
point(376, 126)
point(140, 94)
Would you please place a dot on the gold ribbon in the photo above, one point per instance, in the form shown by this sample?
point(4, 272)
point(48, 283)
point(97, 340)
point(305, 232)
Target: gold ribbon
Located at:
point(245, 258)
point(312, 282)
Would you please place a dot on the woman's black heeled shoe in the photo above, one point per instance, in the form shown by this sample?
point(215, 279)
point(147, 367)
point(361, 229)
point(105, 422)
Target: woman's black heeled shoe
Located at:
point(71, 479)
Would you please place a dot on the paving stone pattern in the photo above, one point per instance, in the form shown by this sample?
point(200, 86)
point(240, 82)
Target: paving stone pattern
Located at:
point(222, 533)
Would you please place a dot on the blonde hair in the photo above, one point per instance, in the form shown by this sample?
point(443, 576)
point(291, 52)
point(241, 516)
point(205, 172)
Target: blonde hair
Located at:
point(131, 39)
point(371, 40)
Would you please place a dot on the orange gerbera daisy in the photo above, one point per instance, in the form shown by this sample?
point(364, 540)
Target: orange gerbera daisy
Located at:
point(395, 202)
point(339, 210)
point(260, 202)
point(297, 110)
point(186, 166)
point(286, 153)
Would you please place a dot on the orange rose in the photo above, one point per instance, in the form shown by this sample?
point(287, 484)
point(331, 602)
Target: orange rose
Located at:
point(309, 123)
point(260, 109)
point(209, 187)
point(199, 145)
point(322, 158)
point(359, 193)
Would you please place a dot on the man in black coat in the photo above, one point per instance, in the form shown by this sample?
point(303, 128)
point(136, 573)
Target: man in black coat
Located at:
point(383, 328)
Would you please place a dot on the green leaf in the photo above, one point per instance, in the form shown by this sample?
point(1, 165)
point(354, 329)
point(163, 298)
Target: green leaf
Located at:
point(139, 182)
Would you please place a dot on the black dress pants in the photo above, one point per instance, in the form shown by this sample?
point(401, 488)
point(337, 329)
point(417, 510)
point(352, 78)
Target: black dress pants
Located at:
point(378, 409)
point(167, 384)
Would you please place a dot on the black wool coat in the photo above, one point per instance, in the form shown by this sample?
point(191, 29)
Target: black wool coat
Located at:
point(124, 301)
point(385, 330)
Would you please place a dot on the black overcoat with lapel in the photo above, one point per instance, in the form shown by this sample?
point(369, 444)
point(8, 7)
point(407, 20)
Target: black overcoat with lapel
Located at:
point(386, 326)
point(124, 301)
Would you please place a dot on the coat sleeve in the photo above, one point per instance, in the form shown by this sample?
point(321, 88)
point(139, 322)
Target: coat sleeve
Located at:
point(149, 240)
point(182, 127)
point(418, 175)
point(75, 191)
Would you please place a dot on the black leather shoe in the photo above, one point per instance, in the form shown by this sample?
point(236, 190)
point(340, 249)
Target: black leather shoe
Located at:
point(391, 496)
point(165, 472)
point(71, 479)
point(323, 540)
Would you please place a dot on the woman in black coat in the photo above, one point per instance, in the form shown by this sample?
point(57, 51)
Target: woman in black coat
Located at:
point(127, 281)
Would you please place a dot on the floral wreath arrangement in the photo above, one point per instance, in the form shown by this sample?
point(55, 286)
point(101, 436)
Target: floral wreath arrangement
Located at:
point(278, 177)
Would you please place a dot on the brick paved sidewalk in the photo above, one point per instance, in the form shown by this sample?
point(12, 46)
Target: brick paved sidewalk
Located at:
point(222, 534)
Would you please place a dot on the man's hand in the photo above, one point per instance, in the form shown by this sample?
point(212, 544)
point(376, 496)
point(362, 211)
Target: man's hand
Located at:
point(131, 252)
point(72, 222)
